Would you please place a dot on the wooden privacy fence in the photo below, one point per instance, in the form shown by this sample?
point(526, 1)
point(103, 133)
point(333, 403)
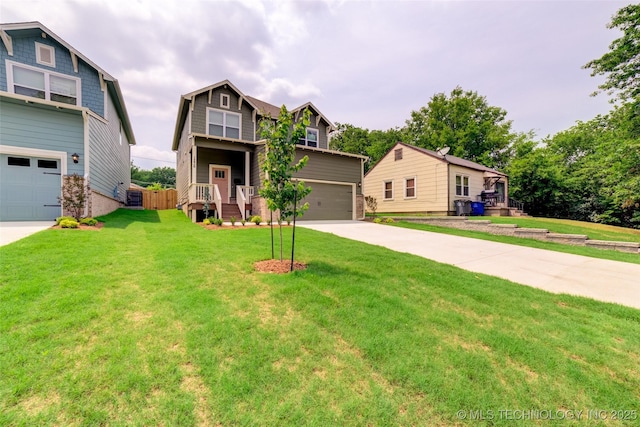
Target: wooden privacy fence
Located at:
point(159, 199)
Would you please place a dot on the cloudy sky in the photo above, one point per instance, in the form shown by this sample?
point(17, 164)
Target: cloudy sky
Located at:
point(368, 63)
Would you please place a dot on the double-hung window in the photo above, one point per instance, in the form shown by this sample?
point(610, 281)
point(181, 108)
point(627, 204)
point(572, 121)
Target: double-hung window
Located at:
point(39, 83)
point(223, 123)
point(462, 185)
point(410, 187)
point(311, 138)
point(388, 190)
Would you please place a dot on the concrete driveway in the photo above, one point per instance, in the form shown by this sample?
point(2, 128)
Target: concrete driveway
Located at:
point(609, 281)
point(10, 231)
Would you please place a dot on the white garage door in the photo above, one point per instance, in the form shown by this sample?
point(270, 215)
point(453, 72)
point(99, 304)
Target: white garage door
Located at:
point(329, 201)
point(29, 188)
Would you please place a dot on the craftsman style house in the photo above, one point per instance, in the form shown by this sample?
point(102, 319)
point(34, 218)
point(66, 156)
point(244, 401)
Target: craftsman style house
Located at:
point(60, 114)
point(411, 179)
point(219, 155)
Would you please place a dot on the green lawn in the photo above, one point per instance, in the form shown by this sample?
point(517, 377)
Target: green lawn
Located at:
point(566, 226)
point(153, 320)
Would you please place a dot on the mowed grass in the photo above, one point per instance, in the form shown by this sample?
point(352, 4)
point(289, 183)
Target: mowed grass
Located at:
point(156, 321)
point(566, 226)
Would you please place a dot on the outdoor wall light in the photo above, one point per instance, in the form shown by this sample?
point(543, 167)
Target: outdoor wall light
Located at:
point(75, 157)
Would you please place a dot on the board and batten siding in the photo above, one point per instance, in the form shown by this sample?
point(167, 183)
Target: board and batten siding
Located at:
point(430, 185)
point(199, 114)
point(476, 184)
point(329, 167)
point(109, 156)
point(42, 127)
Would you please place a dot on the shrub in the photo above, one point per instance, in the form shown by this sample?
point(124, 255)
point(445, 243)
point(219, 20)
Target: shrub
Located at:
point(389, 220)
point(62, 218)
point(243, 222)
point(69, 223)
point(372, 204)
point(256, 219)
point(233, 220)
point(206, 221)
point(74, 195)
point(377, 220)
point(89, 221)
point(268, 222)
point(217, 221)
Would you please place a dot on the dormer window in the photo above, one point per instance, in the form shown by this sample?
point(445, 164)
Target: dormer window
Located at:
point(224, 100)
point(311, 138)
point(45, 55)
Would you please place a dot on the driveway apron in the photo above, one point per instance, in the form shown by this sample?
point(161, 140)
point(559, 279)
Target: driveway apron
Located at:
point(557, 272)
point(10, 231)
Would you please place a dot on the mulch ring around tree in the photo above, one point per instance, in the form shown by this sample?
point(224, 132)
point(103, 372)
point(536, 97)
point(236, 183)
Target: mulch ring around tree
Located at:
point(278, 267)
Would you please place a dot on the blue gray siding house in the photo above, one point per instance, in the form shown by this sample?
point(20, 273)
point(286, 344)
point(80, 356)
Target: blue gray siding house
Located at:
point(60, 114)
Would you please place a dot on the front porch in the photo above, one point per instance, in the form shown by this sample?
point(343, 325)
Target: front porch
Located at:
point(203, 197)
point(223, 181)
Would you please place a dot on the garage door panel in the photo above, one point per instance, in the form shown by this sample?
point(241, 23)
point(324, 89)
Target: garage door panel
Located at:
point(29, 188)
point(329, 202)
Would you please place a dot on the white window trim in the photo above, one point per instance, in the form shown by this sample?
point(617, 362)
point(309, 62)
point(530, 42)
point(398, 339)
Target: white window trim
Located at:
point(50, 49)
point(224, 125)
point(47, 89)
point(462, 186)
point(306, 140)
point(415, 187)
point(384, 190)
point(224, 96)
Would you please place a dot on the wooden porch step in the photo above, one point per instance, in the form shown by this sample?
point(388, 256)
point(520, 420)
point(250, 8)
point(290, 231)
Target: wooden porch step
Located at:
point(229, 210)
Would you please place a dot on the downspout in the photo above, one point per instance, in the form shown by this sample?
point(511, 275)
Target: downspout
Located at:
point(448, 189)
point(85, 120)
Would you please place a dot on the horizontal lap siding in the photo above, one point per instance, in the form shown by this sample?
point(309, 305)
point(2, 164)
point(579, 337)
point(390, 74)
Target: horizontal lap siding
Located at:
point(183, 167)
point(431, 182)
point(329, 167)
point(110, 160)
point(31, 126)
point(476, 184)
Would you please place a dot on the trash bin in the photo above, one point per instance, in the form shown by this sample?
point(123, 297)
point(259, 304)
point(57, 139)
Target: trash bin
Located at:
point(463, 207)
point(477, 208)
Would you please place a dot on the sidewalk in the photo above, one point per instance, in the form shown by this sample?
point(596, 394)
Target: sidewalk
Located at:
point(10, 231)
point(557, 272)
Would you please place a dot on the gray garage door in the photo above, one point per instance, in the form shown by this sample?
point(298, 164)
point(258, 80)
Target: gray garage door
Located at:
point(29, 188)
point(329, 201)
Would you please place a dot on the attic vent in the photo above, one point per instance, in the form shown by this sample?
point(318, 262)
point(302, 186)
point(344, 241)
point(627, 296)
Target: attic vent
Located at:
point(45, 55)
point(224, 100)
point(398, 154)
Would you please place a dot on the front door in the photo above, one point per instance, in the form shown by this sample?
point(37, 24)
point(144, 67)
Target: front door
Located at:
point(500, 191)
point(220, 175)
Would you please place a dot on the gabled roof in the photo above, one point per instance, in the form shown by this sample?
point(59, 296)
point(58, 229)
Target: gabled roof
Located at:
point(112, 84)
point(450, 159)
point(262, 108)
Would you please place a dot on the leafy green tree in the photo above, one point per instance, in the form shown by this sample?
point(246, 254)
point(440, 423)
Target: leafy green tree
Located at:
point(466, 123)
point(373, 144)
point(279, 189)
point(165, 176)
point(621, 64)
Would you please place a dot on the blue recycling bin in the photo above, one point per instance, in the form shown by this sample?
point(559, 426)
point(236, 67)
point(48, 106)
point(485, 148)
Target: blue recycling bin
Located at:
point(477, 208)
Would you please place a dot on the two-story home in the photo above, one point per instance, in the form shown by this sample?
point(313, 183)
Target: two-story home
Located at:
point(60, 114)
point(219, 156)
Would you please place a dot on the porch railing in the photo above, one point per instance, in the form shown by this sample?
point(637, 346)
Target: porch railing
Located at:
point(241, 201)
point(199, 193)
point(244, 193)
point(516, 204)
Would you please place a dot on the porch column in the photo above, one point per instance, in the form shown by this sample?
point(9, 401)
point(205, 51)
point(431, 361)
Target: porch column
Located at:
point(247, 167)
